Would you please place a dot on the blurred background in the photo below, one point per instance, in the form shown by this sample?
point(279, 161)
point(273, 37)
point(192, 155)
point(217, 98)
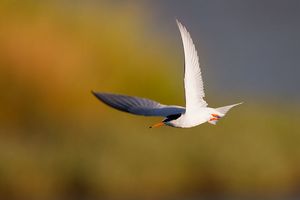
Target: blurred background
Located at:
point(57, 141)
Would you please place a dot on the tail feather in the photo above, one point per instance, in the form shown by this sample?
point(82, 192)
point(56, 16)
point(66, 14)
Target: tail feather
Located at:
point(225, 109)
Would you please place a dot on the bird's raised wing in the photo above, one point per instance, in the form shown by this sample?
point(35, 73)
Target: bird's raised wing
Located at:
point(194, 90)
point(137, 105)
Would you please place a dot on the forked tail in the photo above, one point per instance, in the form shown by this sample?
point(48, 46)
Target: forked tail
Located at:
point(223, 110)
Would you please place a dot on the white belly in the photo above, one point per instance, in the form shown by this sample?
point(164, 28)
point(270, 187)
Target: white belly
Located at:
point(195, 118)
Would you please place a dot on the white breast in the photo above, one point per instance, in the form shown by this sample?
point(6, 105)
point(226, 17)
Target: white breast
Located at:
point(191, 119)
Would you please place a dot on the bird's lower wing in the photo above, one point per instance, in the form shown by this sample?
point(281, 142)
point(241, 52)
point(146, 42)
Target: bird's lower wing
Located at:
point(137, 105)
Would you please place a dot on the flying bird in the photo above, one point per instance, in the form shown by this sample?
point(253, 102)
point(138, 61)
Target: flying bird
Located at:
point(195, 112)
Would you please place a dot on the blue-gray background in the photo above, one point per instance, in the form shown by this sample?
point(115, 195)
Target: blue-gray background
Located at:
point(253, 47)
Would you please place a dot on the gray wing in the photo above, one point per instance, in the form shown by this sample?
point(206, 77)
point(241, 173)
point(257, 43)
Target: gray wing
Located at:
point(137, 105)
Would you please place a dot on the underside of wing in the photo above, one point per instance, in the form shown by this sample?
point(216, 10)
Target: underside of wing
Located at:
point(193, 83)
point(137, 105)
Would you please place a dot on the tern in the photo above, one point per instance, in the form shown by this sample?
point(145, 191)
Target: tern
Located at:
point(195, 112)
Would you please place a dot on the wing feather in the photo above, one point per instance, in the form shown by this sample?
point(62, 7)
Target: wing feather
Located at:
point(193, 83)
point(137, 105)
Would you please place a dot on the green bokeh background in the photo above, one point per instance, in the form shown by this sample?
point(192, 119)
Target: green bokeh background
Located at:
point(58, 142)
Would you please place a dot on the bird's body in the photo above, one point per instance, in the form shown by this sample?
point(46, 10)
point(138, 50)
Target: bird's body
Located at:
point(194, 118)
point(196, 111)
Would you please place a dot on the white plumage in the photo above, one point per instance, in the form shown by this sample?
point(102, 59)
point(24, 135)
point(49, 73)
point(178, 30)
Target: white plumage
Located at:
point(193, 83)
point(196, 111)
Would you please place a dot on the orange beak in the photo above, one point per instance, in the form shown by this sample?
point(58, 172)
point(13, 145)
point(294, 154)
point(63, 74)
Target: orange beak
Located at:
point(157, 125)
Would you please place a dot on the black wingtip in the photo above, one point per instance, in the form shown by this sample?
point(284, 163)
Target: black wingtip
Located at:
point(95, 93)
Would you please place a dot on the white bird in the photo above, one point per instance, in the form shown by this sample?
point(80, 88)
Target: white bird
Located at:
point(196, 111)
